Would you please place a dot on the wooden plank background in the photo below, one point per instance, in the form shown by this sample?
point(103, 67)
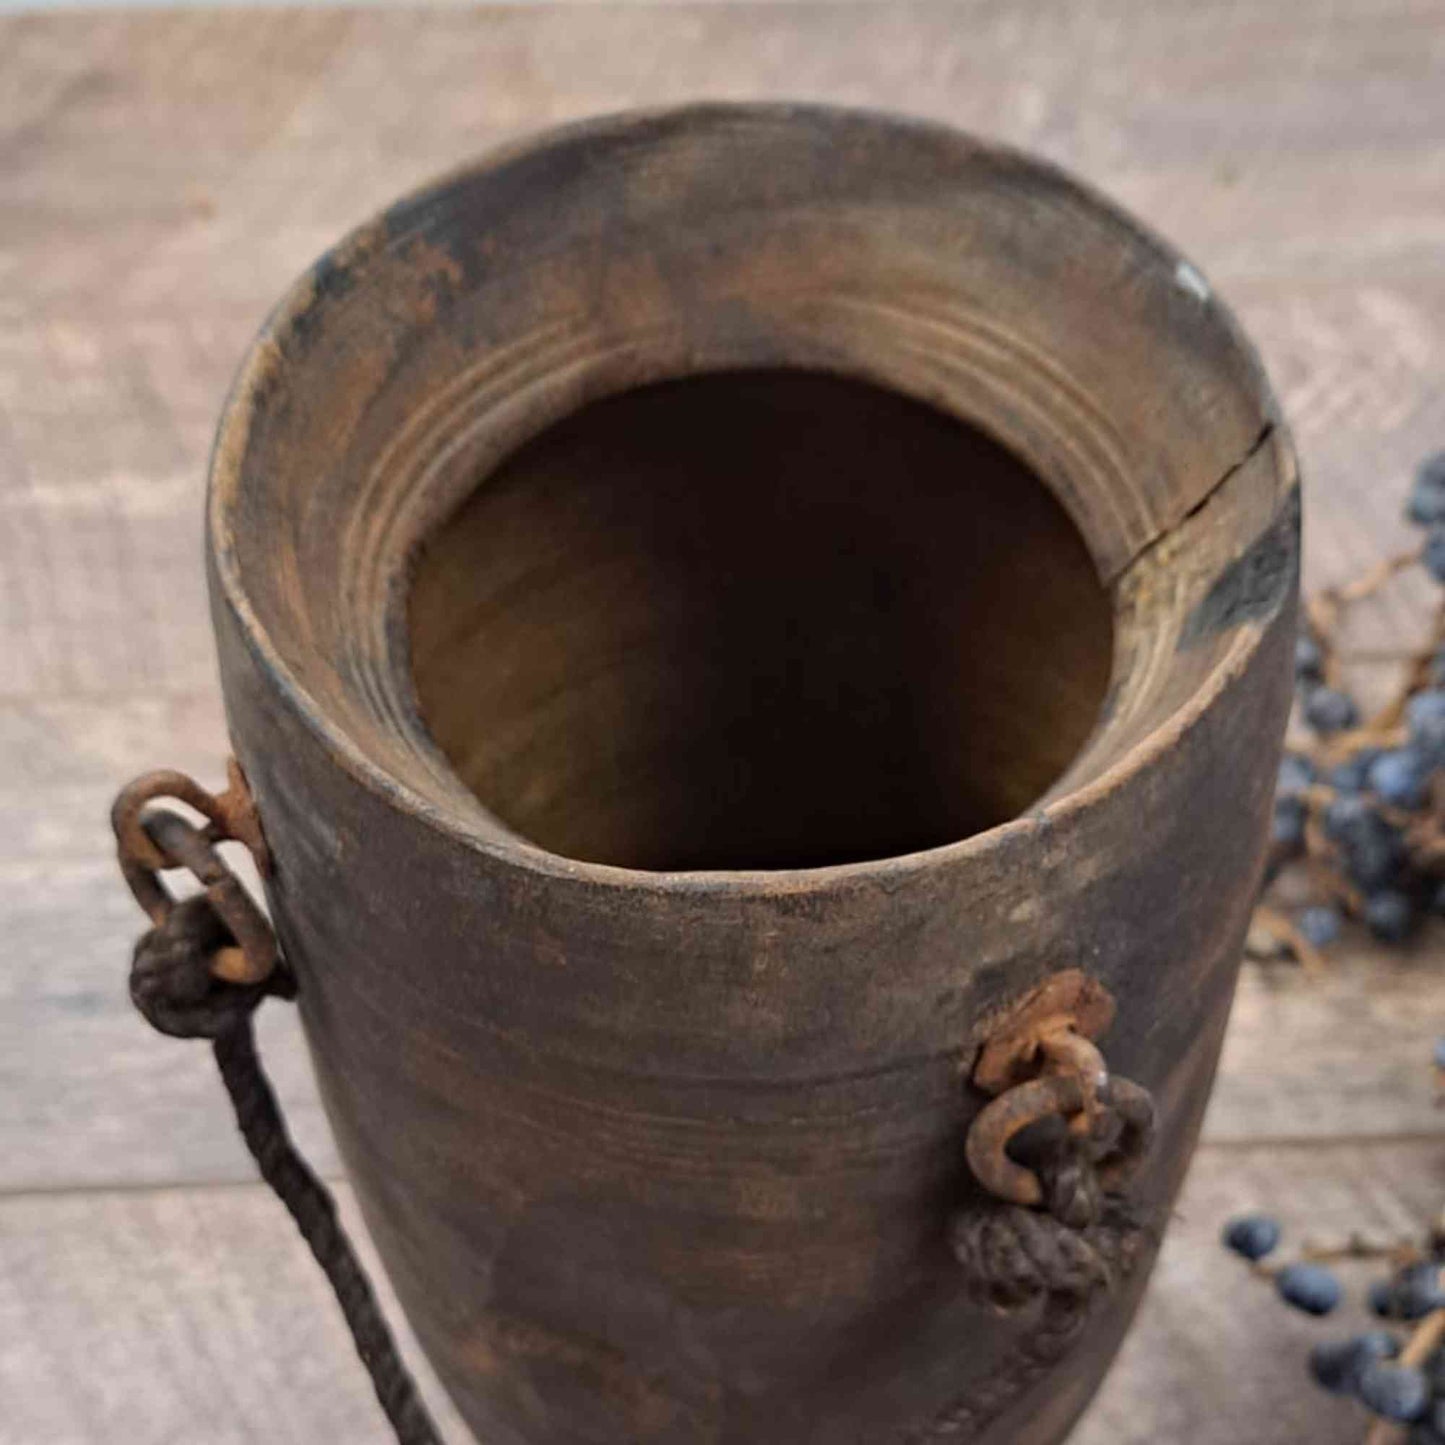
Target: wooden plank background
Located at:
point(164, 176)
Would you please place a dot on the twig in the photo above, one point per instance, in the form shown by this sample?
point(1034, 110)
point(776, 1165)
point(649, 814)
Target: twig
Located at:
point(1401, 1252)
point(1281, 926)
point(1416, 674)
point(1368, 583)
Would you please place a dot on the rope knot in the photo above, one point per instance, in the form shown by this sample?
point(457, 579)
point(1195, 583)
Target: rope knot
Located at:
point(172, 981)
point(1013, 1256)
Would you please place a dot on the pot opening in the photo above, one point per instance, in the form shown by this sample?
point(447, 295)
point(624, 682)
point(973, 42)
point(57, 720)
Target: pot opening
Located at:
point(758, 619)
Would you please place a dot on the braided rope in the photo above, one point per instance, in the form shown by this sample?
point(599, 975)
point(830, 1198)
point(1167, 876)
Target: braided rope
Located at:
point(171, 983)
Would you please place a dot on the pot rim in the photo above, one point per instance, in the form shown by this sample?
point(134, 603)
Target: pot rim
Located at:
point(1064, 801)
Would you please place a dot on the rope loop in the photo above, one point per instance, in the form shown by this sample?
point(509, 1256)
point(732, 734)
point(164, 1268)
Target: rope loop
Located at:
point(173, 981)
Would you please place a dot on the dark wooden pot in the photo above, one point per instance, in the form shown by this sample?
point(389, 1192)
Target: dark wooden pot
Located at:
point(714, 607)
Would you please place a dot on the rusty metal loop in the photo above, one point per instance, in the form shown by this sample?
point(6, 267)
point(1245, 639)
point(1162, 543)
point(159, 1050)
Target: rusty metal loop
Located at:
point(1065, 1051)
point(126, 816)
point(1066, 1096)
point(988, 1139)
point(1041, 1060)
point(1132, 1105)
point(152, 840)
point(231, 814)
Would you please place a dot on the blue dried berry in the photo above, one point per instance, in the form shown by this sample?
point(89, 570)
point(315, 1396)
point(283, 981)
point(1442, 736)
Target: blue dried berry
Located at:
point(1373, 851)
point(1400, 777)
point(1411, 1294)
point(1419, 1293)
point(1390, 915)
point(1349, 817)
point(1308, 1287)
point(1337, 1364)
point(1288, 826)
point(1374, 861)
point(1320, 924)
point(1349, 776)
point(1425, 715)
point(1398, 1392)
point(1252, 1235)
point(1434, 1370)
point(1434, 554)
point(1309, 659)
point(1426, 504)
point(1427, 705)
point(1377, 1345)
point(1328, 710)
point(1332, 1365)
point(1296, 773)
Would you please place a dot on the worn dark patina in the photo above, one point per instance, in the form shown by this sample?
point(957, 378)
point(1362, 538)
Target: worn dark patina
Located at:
point(715, 608)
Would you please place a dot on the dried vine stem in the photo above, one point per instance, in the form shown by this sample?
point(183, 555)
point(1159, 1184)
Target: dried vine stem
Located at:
point(1323, 608)
point(1281, 927)
point(1324, 611)
point(1399, 1252)
point(1322, 858)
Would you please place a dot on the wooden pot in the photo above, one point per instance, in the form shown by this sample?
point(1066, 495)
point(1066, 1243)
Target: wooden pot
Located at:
point(716, 607)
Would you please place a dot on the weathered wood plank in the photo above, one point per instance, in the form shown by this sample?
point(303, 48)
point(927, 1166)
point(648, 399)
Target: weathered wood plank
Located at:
point(1346, 1055)
point(196, 1314)
point(167, 175)
point(1214, 1358)
point(88, 1094)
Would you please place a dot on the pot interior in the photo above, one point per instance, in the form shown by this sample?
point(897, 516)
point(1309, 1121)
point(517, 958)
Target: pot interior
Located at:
point(758, 619)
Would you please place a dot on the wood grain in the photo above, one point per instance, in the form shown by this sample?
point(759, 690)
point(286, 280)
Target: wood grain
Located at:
point(1213, 1355)
point(156, 1316)
point(1342, 1056)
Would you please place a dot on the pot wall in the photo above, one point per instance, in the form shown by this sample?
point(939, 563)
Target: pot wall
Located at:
point(670, 1157)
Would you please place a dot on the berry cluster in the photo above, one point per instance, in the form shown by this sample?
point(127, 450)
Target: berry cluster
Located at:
point(1399, 1379)
point(1360, 803)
